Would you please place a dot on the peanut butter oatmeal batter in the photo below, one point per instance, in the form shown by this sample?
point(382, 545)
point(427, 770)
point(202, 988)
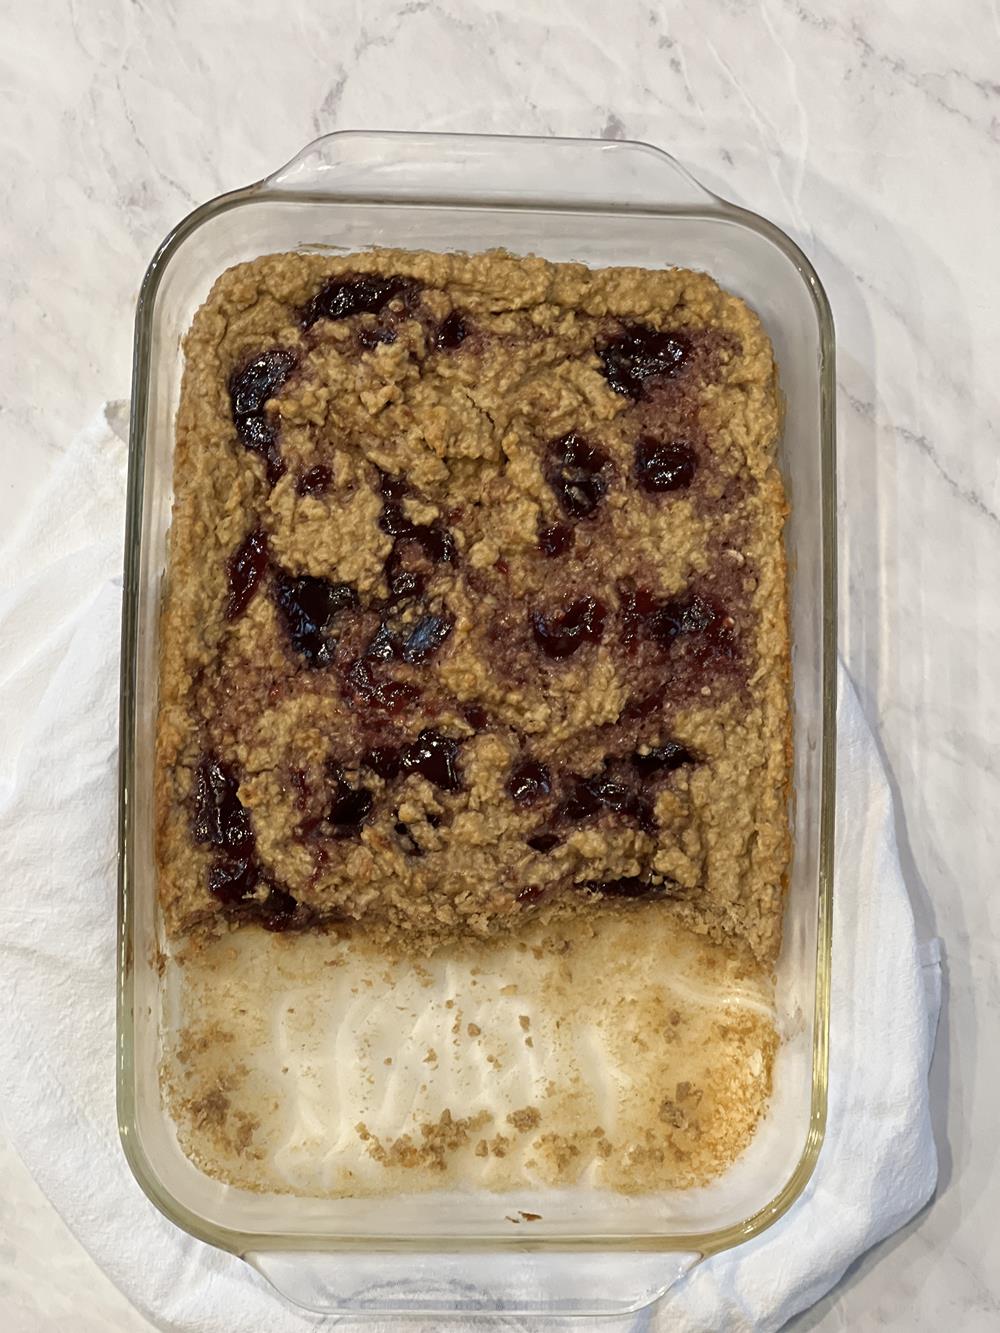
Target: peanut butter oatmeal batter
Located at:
point(476, 608)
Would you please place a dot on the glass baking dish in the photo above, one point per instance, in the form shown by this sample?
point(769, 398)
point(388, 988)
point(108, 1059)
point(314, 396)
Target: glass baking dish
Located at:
point(564, 199)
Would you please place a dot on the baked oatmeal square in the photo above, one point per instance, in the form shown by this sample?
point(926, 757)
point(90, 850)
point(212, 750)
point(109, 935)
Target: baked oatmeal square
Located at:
point(476, 603)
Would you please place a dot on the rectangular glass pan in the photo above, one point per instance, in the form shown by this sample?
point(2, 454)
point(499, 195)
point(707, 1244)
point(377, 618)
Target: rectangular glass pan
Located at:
point(602, 204)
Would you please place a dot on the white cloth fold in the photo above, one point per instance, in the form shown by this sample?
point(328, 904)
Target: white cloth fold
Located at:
point(60, 590)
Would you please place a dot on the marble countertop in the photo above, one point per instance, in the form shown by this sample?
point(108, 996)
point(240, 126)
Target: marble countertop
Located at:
point(871, 133)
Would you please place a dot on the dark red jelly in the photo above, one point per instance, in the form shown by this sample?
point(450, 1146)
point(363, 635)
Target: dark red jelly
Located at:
point(614, 795)
point(350, 807)
point(391, 696)
point(531, 893)
point(629, 886)
point(277, 911)
point(434, 757)
point(372, 338)
point(664, 622)
point(249, 391)
point(453, 332)
point(425, 638)
point(407, 841)
point(218, 816)
point(315, 480)
point(390, 487)
point(246, 569)
point(308, 608)
point(637, 605)
point(642, 705)
point(640, 356)
point(234, 881)
point(561, 634)
point(663, 466)
point(588, 796)
point(577, 473)
point(300, 781)
point(476, 716)
point(393, 521)
point(528, 782)
point(555, 539)
point(692, 614)
point(404, 584)
point(433, 541)
point(383, 644)
point(543, 842)
point(580, 803)
point(355, 295)
point(414, 644)
point(259, 380)
point(383, 760)
point(663, 758)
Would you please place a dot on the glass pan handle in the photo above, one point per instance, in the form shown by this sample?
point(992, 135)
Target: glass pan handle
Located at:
point(452, 168)
point(445, 1286)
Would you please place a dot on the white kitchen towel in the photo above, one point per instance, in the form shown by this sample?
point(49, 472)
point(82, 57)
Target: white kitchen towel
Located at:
point(60, 590)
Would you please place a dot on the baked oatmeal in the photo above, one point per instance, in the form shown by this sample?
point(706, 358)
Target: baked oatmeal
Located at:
point(476, 603)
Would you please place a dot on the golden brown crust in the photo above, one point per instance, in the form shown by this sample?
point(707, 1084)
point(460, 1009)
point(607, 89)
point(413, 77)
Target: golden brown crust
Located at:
point(471, 429)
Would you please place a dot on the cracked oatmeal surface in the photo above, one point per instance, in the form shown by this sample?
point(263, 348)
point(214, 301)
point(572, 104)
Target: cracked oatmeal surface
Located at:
point(476, 603)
